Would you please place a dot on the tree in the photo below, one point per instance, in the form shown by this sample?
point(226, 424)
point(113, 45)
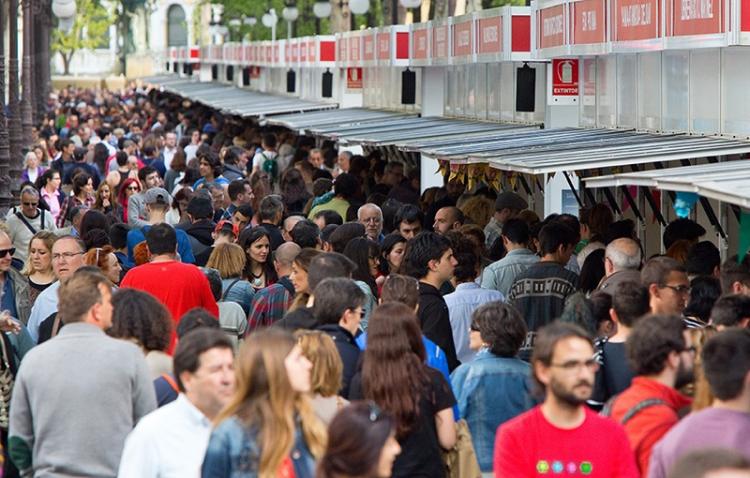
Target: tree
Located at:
point(89, 31)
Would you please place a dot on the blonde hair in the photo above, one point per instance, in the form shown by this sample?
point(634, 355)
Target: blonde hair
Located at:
point(328, 369)
point(264, 399)
point(48, 238)
point(227, 258)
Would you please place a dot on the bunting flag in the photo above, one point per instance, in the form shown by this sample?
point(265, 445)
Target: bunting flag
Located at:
point(443, 165)
point(475, 174)
point(458, 171)
point(684, 203)
point(492, 177)
point(744, 242)
point(513, 180)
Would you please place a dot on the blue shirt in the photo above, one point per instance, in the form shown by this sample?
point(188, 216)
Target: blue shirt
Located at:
point(491, 390)
point(136, 236)
point(8, 301)
point(221, 181)
point(461, 304)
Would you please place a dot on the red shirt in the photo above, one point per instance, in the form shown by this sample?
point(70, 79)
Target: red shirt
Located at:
point(178, 286)
point(530, 446)
point(650, 424)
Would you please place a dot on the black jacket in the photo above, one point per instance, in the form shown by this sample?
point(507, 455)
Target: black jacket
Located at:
point(435, 322)
point(348, 351)
point(299, 319)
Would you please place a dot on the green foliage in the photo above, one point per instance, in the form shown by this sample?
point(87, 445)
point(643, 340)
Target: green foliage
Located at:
point(90, 30)
point(305, 24)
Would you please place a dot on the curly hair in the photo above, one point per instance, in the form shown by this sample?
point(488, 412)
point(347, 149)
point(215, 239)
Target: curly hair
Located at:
point(138, 316)
point(501, 327)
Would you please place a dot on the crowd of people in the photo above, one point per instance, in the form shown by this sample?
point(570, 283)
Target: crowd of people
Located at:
point(184, 294)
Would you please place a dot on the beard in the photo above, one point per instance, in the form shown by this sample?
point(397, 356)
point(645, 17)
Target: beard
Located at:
point(684, 375)
point(573, 396)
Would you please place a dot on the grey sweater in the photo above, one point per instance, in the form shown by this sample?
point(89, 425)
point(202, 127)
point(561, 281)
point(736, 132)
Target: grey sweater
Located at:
point(75, 399)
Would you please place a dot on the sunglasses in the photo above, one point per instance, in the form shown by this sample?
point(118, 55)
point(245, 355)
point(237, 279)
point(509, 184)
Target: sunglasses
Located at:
point(5, 252)
point(132, 188)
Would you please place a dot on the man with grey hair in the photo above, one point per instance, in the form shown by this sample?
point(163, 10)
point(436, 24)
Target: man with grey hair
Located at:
point(26, 220)
point(270, 213)
point(316, 158)
point(289, 224)
point(371, 216)
point(343, 163)
point(622, 260)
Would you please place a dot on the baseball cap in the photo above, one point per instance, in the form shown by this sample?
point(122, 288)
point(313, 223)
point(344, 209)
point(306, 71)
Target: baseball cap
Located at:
point(158, 196)
point(510, 200)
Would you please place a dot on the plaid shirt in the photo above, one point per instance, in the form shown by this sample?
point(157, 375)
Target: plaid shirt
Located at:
point(270, 304)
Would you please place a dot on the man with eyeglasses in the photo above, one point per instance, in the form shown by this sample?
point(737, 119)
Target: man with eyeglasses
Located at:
point(562, 435)
point(662, 353)
point(67, 257)
point(371, 216)
point(27, 220)
point(668, 287)
point(14, 287)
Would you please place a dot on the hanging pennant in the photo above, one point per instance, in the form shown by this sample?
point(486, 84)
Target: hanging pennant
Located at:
point(458, 172)
point(684, 203)
point(744, 241)
point(513, 180)
point(492, 177)
point(474, 175)
point(443, 165)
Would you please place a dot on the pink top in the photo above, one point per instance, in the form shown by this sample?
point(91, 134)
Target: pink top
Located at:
point(52, 201)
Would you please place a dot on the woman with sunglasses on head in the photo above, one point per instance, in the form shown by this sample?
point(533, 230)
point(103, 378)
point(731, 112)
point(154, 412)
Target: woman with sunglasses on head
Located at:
point(496, 376)
point(104, 258)
point(268, 429)
point(38, 267)
point(361, 444)
point(418, 396)
point(128, 187)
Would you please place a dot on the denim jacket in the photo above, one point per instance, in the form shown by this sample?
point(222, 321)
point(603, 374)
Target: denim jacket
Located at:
point(234, 452)
point(491, 390)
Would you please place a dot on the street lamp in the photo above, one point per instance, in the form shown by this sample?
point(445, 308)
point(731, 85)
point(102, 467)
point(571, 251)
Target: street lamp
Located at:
point(290, 14)
point(321, 10)
point(250, 22)
point(65, 11)
point(269, 20)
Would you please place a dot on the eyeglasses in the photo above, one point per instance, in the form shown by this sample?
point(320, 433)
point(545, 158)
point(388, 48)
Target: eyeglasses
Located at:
point(577, 365)
point(132, 188)
point(66, 255)
point(375, 411)
point(30, 204)
point(5, 252)
point(680, 289)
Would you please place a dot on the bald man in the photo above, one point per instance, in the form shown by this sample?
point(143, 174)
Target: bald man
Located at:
point(622, 262)
point(448, 219)
point(289, 224)
point(270, 304)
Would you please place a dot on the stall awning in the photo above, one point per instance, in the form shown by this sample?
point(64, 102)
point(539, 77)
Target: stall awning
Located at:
point(576, 149)
point(727, 181)
point(404, 130)
point(343, 118)
point(236, 101)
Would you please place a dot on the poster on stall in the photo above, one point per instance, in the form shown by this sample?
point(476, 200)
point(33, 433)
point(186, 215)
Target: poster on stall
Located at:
point(354, 78)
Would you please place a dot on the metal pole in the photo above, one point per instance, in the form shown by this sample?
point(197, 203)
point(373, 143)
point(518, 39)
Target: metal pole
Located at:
point(5, 195)
point(14, 118)
point(26, 110)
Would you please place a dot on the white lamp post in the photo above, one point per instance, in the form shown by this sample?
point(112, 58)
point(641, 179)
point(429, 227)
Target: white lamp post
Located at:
point(359, 7)
point(322, 9)
point(65, 11)
point(269, 20)
point(290, 14)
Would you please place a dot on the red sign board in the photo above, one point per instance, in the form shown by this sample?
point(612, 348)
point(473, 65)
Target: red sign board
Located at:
point(490, 35)
point(368, 47)
point(327, 51)
point(419, 46)
point(551, 27)
point(384, 46)
point(565, 77)
point(636, 19)
point(354, 78)
point(342, 48)
point(462, 39)
point(697, 17)
point(354, 51)
point(440, 41)
point(588, 22)
point(303, 51)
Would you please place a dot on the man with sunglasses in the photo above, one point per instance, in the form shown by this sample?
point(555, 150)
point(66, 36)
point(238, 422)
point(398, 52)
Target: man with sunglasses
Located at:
point(27, 220)
point(668, 287)
point(15, 287)
point(662, 354)
point(562, 435)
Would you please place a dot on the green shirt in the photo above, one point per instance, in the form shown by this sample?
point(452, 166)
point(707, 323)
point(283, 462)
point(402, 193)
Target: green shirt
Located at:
point(337, 204)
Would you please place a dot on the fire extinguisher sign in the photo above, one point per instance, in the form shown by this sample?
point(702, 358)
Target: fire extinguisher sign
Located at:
point(565, 77)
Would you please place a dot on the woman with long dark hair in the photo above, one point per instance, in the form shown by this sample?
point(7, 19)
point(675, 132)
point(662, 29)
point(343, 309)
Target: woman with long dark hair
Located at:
point(259, 270)
point(298, 277)
point(391, 254)
point(418, 397)
point(366, 254)
point(361, 444)
point(82, 195)
point(294, 191)
point(268, 429)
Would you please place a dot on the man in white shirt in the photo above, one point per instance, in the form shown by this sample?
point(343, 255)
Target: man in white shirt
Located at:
point(171, 442)
point(170, 148)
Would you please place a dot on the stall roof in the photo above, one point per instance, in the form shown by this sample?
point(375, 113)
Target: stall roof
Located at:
point(403, 130)
point(233, 100)
point(347, 117)
point(576, 149)
point(726, 181)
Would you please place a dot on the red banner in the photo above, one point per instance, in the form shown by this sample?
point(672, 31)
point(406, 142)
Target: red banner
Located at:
point(636, 20)
point(697, 17)
point(588, 22)
point(384, 46)
point(342, 46)
point(354, 52)
point(368, 47)
point(462, 41)
point(440, 41)
point(565, 77)
point(551, 27)
point(490, 37)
